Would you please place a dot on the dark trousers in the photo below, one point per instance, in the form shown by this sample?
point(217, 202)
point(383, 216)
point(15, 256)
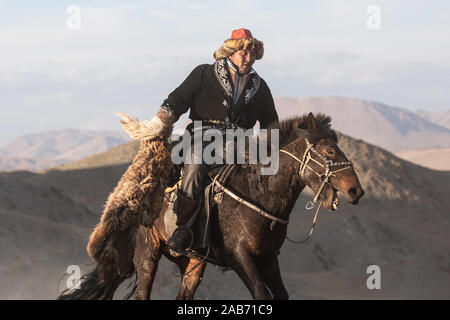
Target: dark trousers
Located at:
point(194, 178)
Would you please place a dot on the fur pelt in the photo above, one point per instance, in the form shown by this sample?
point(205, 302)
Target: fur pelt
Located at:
point(159, 127)
point(139, 193)
point(230, 46)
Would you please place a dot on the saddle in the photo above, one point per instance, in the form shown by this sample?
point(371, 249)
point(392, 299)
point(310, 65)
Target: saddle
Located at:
point(200, 223)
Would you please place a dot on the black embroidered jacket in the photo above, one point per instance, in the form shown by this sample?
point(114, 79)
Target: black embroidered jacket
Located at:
point(208, 93)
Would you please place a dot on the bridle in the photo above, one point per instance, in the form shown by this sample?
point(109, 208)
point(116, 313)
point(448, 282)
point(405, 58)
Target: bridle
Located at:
point(327, 164)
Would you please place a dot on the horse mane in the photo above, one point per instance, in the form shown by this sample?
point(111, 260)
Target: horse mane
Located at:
point(314, 127)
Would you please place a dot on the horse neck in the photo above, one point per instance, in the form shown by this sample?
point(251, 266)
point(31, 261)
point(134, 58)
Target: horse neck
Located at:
point(284, 187)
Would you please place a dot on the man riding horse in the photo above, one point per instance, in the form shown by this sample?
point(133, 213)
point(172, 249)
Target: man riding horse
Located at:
point(131, 236)
point(227, 94)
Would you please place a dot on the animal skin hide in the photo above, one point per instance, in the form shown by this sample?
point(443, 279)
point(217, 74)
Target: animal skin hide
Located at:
point(139, 192)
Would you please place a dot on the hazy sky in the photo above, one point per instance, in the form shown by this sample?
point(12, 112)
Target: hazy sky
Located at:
point(128, 55)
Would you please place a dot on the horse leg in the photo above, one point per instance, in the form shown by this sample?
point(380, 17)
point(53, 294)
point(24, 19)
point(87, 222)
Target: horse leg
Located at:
point(146, 258)
point(190, 281)
point(270, 270)
point(243, 263)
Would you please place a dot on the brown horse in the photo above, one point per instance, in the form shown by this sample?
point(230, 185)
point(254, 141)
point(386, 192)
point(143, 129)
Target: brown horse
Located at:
point(241, 239)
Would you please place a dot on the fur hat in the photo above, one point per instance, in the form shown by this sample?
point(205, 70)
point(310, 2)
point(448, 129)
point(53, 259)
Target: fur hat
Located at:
point(241, 39)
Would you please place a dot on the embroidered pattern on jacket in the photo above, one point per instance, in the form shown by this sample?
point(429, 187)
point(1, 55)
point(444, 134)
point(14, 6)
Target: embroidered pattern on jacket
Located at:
point(249, 93)
point(222, 76)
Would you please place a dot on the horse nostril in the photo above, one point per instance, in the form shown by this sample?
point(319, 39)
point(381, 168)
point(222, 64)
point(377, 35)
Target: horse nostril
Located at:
point(353, 192)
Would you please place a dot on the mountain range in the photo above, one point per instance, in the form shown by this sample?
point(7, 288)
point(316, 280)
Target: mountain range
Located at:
point(422, 137)
point(419, 137)
point(391, 128)
point(48, 149)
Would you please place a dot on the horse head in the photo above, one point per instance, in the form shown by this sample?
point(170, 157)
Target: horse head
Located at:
point(325, 169)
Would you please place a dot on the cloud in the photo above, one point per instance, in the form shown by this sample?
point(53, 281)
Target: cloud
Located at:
point(129, 57)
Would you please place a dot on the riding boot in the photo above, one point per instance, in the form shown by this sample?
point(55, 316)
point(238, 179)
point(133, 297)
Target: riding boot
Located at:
point(185, 209)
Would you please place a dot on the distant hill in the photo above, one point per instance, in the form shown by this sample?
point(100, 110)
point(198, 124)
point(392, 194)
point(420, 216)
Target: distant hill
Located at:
point(400, 225)
point(48, 149)
point(441, 118)
point(438, 159)
point(392, 128)
point(121, 154)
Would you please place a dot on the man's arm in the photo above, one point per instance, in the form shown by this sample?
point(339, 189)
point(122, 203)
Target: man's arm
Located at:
point(268, 113)
point(180, 100)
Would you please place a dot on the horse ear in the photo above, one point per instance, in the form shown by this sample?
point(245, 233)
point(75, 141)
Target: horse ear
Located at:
point(311, 123)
